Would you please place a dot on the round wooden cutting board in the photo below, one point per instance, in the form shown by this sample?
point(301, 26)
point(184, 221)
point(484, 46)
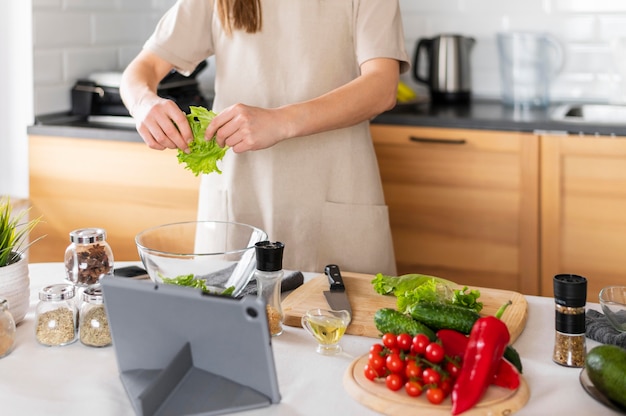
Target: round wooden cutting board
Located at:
point(376, 396)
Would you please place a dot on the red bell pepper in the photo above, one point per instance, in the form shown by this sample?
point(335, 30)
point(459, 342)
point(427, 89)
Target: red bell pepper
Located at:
point(487, 340)
point(455, 343)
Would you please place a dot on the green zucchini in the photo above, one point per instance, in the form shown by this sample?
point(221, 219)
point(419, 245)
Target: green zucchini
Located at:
point(606, 368)
point(437, 315)
point(391, 320)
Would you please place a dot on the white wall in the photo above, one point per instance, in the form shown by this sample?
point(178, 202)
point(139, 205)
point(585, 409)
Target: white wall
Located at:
point(586, 28)
point(16, 105)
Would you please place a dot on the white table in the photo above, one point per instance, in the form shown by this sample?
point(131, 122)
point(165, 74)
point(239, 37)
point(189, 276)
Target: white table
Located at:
point(78, 380)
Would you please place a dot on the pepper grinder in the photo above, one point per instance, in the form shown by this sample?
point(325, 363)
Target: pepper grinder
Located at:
point(269, 273)
point(570, 297)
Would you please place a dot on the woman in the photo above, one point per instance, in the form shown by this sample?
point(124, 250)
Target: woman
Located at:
point(296, 82)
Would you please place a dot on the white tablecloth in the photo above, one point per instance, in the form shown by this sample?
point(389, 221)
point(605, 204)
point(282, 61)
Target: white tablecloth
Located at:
point(78, 380)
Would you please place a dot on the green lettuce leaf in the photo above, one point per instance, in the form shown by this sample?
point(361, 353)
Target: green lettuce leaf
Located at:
point(203, 154)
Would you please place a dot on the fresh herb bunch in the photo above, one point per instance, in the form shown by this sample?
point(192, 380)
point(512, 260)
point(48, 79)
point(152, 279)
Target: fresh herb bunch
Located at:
point(13, 233)
point(203, 154)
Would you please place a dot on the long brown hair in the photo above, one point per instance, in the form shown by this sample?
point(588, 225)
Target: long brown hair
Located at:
point(240, 15)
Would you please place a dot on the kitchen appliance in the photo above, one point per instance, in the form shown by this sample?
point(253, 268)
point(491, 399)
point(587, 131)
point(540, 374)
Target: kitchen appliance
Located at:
point(336, 297)
point(99, 94)
point(447, 67)
point(529, 62)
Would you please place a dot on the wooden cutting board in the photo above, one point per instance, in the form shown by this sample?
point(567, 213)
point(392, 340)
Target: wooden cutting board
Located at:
point(375, 395)
point(365, 302)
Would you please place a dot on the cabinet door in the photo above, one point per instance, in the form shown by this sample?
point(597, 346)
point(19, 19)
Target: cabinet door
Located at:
point(583, 210)
point(463, 204)
point(122, 187)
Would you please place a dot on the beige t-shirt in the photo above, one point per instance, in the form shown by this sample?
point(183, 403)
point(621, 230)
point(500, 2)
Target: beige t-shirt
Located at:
point(320, 195)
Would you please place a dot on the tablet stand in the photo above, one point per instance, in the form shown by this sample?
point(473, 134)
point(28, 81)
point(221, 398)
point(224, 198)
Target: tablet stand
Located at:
point(182, 352)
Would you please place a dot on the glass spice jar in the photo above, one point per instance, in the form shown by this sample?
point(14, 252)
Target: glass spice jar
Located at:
point(93, 326)
point(55, 316)
point(570, 297)
point(7, 329)
point(269, 273)
point(89, 257)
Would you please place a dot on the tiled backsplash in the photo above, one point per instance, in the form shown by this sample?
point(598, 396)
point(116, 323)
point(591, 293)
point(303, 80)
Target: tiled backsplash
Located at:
point(73, 38)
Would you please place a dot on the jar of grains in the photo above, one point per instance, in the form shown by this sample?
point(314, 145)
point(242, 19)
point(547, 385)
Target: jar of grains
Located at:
point(7, 328)
point(93, 325)
point(55, 315)
point(88, 257)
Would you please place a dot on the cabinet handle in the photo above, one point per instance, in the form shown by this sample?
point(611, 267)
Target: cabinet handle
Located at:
point(433, 140)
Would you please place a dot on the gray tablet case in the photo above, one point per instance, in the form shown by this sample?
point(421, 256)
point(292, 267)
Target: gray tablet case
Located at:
point(182, 352)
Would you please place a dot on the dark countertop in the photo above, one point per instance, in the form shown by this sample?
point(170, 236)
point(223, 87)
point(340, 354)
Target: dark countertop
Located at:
point(479, 114)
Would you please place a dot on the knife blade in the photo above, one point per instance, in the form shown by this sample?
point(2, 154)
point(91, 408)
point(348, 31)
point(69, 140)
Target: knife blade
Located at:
point(336, 297)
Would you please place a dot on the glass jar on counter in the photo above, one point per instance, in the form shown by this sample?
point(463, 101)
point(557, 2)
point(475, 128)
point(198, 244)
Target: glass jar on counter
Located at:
point(89, 257)
point(55, 316)
point(93, 324)
point(7, 329)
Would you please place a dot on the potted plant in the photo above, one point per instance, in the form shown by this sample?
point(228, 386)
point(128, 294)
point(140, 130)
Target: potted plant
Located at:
point(14, 279)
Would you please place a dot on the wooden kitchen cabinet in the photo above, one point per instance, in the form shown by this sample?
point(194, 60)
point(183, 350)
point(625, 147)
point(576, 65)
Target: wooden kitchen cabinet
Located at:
point(123, 187)
point(463, 204)
point(583, 210)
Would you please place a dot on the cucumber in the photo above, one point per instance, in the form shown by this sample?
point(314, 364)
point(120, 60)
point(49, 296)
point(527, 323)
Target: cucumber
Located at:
point(606, 367)
point(391, 320)
point(437, 315)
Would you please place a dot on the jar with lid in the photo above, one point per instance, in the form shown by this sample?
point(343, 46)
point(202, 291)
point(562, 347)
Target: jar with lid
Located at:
point(93, 326)
point(7, 329)
point(269, 273)
point(570, 297)
point(89, 257)
point(55, 316)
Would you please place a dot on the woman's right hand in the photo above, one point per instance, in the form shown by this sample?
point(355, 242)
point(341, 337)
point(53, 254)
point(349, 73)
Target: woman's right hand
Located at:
point(162, 124)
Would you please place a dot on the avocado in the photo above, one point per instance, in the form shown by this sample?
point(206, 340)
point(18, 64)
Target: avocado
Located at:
point(606, 367)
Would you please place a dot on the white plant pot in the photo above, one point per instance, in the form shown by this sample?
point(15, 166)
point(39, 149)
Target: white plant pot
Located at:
point(15, 287)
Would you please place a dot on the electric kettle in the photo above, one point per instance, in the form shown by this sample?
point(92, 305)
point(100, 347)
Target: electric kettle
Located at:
point(447, 67)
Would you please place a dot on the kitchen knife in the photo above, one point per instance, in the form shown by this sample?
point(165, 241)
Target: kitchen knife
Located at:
point(336, 297)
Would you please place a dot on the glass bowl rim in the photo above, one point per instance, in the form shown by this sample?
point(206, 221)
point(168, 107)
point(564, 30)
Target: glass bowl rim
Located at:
point(170, 253)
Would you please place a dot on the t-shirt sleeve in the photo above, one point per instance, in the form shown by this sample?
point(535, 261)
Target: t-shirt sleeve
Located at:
point(379, 32)
point(184, 35)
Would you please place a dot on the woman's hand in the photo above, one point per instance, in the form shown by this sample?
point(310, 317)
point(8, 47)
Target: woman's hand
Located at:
point(161, 124)
point(243, 128)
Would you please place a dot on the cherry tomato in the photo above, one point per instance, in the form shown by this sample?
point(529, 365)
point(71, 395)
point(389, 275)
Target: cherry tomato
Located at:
point(377, 362)
point(420, 341)
point(434, 352)
point(376, 349)
point(394, 381)
point(435, 395)
point(412, 370)
point(413, 388)
point(389, 340)
point(369, 372)
point(453, 369)
point(446, 386)
point(404, 341)
point(395, 363)
point(431, 376)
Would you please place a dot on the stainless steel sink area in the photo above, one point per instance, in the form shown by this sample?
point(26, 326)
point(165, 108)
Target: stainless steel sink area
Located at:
point(591, 113)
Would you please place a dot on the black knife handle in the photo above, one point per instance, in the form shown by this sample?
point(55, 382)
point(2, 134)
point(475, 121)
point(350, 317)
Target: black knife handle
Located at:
point(334, 277)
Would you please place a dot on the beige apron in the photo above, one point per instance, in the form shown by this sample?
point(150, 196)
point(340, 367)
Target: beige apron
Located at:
point(321, 195)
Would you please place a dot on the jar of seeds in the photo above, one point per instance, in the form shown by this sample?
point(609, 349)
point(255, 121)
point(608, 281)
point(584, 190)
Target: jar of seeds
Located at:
point(88, 257)
point(7, 328)
point(570, 297)
point(93, 325)
point(55, 316)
